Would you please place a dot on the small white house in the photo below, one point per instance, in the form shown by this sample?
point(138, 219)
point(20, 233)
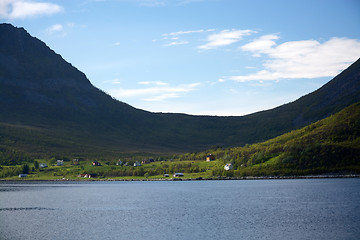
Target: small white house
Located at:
point(178, 175)
point(60, 162)
point(137, 164)
point(228, 167)
point(22, 175)
point(43, 165)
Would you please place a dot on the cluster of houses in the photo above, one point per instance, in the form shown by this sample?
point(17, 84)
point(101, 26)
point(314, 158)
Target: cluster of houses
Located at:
point(174, 175)
point(211, 157)
point(135, 164)
point(43, 165)
point(87, 175)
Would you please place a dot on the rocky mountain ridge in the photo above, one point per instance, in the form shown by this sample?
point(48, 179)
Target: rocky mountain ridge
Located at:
point(40, 90)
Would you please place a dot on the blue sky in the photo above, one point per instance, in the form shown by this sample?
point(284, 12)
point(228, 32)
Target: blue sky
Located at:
point(201, 57)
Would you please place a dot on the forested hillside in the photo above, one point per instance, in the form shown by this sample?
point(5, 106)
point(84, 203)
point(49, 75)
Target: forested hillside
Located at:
point(329, 145)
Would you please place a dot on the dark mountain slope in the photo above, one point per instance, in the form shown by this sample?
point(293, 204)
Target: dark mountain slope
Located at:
point(47, 105)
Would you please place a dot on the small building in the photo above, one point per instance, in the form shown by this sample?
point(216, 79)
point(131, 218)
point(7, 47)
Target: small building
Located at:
point(178, 175)
point(96, 163)
point(210, 157)
point(119, 163)
point(87, 175)
point(91, 175)
point(137, 164)
point(22, 175)
point(60, 162)
point(147, 161)
point(75, 161)
point(43, 165)
point(228, 167)
point(166, 175)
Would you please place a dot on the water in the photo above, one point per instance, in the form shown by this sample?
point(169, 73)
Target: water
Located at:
point(254, 209)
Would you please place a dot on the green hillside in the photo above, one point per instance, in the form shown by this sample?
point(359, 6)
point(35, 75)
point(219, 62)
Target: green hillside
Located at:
point(329, 145)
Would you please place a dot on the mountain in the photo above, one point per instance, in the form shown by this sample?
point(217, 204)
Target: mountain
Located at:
point(47, 106)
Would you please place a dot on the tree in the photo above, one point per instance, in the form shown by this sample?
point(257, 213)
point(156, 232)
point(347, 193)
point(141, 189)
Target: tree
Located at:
point(36, 164)
point(25, 169)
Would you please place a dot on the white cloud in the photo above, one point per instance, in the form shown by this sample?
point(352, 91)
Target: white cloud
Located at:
point(21, 9)
point(56, 28)
point(116, 81)
point(151, 3)
point(157, 83)
point(188, 32)
point(173, 38)
point(183, 42)
point(156, 91)
point(161, 3)
point(113, 81)
point(261, 44)
point(61, 30)
point(301, 59)
point(224, 38)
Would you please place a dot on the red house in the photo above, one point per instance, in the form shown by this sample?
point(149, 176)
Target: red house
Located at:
point(210, 157)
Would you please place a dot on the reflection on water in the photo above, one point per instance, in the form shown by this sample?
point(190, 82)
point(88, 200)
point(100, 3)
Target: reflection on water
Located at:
point(25, 209)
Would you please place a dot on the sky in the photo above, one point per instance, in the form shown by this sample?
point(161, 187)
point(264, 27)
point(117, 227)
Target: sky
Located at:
point(199, 57)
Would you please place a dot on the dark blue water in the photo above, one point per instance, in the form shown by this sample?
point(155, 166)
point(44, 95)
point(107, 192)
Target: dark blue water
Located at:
point(256, 209)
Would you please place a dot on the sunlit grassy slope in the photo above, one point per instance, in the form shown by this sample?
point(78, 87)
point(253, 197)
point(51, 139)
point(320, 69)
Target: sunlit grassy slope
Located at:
point(329, 145)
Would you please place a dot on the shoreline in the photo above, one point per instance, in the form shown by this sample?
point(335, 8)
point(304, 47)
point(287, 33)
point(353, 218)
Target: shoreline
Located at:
point(184, 179)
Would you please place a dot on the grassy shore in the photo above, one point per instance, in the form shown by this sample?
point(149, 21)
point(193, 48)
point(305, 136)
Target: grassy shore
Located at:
point(154, 171)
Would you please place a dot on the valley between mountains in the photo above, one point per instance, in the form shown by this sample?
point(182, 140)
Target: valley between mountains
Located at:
point(50, 111)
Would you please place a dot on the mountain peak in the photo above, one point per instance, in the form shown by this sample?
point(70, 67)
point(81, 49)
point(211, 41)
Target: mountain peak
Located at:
point(39, 88)
point(29, 62)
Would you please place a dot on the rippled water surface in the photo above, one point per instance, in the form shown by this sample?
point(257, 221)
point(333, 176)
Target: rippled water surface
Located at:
point(253, 209)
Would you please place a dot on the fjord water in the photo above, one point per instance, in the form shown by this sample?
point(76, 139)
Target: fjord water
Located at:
point(251, 209)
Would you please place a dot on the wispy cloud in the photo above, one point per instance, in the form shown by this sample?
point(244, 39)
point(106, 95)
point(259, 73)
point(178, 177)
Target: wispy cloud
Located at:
point(224, 38)
point(174, 43)
point(56, 29)
point(113, 81)
point(157, 83)
point(300, 59)
point(188, 32)
point(22, 9)
point(174, 38)
point(162, 3)
point(62, 30)
point(155, 91)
